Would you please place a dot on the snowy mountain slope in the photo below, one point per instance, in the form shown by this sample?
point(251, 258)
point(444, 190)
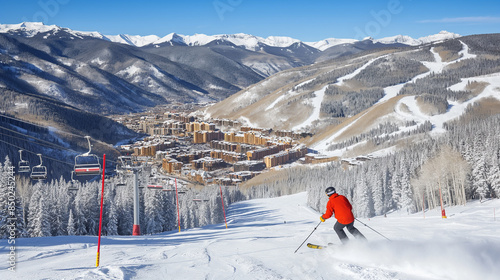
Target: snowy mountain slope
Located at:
point(439, 37)
point(407, 40)
point(239, 59)
point(247, 41)
point(70, 69)
point(301, 98)
point(28, 70)
point(286, 88)
point(236, 65)
point(412, 111)
point(260, 241)
point(31, 29)
point(134, 40)
point(330, 42)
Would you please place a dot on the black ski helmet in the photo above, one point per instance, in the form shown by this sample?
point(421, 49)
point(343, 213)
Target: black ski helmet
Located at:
point(330, 190)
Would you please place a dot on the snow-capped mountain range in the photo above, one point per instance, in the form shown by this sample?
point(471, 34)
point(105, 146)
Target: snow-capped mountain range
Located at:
point(247, 41)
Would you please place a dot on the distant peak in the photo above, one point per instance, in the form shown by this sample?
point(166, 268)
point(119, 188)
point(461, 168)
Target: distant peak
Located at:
point(29, 29)
point(26, 24)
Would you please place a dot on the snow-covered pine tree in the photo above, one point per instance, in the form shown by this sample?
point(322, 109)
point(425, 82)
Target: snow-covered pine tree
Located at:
point(406, 202)
point(112, 224)
point(38, 217)
point(395, 185)
point(494, 173)
point(362, 201)
point(71, 224)
point(59, 202)
point(479, 174)
point(378, 191)
point(124, 208)
point(480, 167)
point(153, 217)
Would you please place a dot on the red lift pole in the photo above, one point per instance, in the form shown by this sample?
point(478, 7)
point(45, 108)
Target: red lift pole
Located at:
point(100, 219)
point(136, 229)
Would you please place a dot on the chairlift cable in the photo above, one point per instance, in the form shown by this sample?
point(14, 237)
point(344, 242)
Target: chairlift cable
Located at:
point(57, 131)
point(25, 150)
point(41, 126)
point(49, 145)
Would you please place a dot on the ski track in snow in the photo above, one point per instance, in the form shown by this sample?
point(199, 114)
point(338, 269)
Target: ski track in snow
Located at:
point(260, 241)
point(456, 109)
point(316, 103)
point(436, 66)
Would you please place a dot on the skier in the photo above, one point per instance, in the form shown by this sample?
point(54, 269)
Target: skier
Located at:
point(340, 206)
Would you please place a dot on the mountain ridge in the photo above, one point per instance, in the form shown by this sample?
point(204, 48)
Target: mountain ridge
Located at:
point(248, 41)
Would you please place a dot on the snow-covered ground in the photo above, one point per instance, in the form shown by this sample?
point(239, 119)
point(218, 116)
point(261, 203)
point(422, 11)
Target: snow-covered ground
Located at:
point(260, 241)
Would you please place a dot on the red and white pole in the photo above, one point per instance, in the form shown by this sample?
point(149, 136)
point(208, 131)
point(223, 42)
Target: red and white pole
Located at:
point(100, 218)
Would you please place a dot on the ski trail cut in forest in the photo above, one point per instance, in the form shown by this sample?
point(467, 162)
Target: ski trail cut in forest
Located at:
point(320, 94)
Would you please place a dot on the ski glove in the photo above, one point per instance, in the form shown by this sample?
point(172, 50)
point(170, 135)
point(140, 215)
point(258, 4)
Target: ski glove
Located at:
point(321, 218)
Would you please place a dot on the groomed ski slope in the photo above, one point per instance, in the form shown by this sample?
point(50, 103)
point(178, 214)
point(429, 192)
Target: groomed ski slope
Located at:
point(260, 243)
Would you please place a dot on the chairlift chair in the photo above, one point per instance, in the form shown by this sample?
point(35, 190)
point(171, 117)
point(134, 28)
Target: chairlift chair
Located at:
point(153, 183)
point(39, 172)
point(124, 162)
point(121, 184)
point(24, 165)
point(73, 186)
point(122, 181)
point(87, 164)
point(155, 187)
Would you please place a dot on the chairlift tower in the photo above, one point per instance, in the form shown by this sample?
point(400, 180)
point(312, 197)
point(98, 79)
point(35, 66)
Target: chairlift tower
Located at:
point(127, 165)
point(136, 230)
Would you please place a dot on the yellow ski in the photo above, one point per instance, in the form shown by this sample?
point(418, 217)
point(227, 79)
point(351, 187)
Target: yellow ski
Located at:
point(314, 246)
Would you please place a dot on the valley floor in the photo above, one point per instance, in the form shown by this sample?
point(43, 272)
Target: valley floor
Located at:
point(260, 241)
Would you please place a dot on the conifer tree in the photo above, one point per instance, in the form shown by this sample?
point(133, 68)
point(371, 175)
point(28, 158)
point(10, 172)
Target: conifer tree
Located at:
point(71, 224)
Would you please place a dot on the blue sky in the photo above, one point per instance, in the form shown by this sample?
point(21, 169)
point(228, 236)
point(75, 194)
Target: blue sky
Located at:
point(305, 20)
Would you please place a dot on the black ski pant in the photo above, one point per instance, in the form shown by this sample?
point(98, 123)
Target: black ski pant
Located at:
point(339, 229)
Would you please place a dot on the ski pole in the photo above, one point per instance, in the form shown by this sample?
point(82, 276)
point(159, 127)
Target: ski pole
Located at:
point(372, 229)
point(307, 237)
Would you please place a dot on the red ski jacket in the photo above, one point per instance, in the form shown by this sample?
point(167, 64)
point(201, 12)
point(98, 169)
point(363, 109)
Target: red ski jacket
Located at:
point(339, 205)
